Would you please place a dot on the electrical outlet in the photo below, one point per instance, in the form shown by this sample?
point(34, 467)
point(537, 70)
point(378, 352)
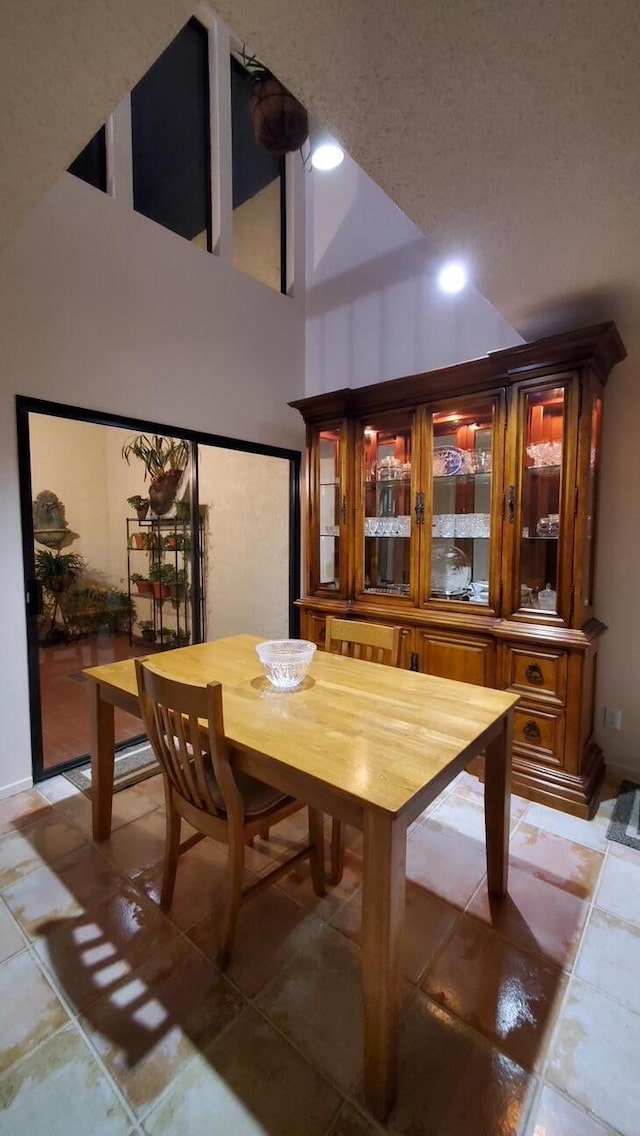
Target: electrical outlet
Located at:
point(612, 719)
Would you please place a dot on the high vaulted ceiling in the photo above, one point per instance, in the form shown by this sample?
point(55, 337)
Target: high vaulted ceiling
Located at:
point(64, 67)
point(507, 130)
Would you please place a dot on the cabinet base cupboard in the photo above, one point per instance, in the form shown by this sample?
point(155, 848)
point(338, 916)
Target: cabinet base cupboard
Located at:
point(461, 506)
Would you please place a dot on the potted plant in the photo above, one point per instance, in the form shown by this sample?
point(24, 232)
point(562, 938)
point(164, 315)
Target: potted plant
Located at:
point(140, 504)
point(57, 572)
point(163, 577)
point(183, 510)
point(280, 122)
point(144, 586)
point(166, 636)
point(147, 630)
point(183, 638)
point(180, 586)
point(165, 460)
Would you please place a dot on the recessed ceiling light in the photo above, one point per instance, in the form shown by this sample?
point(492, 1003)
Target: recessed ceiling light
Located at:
point(452, 277)
point(327, 156)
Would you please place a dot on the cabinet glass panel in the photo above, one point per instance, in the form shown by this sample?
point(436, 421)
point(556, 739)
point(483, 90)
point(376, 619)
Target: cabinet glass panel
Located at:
point(330, 506)
point(461, 505)
point(541, 499)
point(591, 498)
point(387, 508)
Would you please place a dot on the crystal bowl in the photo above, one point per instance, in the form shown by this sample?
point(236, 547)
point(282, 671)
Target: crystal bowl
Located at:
point(285, 661)
point(450, 570)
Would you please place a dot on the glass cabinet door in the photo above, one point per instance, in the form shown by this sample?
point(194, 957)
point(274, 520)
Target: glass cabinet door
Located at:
point(541, 502)
point(328, 523)
point(591, 492)
point(386, 496)
point(463, 457)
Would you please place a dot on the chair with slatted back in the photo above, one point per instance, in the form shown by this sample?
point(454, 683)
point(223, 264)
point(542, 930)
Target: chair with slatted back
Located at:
point(185, 726)
point(376, 644)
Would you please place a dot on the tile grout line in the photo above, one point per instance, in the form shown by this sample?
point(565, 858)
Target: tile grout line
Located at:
point(73, 1026)
point(112, 1081)
point(75, 1013)
point(573, 977)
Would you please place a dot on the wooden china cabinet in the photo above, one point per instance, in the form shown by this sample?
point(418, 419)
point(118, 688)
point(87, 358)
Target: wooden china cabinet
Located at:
point(460, 505)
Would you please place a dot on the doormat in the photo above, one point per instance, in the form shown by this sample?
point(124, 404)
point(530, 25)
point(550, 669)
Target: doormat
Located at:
point(134, 764)
point(624, 826)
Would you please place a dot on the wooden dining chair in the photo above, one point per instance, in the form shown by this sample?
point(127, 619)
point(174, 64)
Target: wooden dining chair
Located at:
point(185, 726)
point(376, 644)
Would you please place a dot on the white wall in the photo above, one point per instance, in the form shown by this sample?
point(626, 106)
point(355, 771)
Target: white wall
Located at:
point(374, 311)
point(618, 571)
point(101, 308)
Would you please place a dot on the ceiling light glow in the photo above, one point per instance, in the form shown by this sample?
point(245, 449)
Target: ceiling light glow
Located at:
point(327, 157)
point(452, 277)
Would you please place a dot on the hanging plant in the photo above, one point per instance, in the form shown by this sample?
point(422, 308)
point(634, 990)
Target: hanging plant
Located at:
point(280, 122)
point(165, 460)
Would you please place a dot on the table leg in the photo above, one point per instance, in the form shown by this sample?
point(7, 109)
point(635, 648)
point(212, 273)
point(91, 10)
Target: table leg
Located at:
point(497, 806)
point(383, 892)
point(102, 762)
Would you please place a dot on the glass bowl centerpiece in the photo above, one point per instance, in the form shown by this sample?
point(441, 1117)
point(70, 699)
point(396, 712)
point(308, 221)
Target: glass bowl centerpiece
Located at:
point(285, 661)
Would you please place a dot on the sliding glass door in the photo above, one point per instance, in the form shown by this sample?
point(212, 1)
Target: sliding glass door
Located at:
point(135, 541)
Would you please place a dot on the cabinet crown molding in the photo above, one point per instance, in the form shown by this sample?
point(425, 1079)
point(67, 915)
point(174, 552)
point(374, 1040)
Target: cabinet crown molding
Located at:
point(599, 348)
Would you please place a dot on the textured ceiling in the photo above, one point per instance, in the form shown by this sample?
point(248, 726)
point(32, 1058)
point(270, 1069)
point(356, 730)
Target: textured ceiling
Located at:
point(507, 130)
point(64, 66)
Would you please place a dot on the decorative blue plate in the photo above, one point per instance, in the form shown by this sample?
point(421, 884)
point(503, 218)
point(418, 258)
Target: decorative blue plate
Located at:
point(447, 461)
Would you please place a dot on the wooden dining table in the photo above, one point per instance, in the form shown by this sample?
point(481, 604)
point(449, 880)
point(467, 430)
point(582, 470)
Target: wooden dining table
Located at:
point(371, 745)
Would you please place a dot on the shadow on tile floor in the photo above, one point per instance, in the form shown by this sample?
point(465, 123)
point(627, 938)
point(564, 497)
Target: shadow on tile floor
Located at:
point(274, 1045)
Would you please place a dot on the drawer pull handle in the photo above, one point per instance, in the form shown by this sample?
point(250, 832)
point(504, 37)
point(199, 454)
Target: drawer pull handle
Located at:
point(531, 730)
point(534, 674)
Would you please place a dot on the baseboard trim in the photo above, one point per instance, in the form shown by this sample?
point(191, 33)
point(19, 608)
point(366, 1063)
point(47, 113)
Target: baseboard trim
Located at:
point(623, 772)
point(16, 787)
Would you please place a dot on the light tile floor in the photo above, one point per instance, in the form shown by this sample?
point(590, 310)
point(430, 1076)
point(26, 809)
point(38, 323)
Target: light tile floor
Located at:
point(519, 1018)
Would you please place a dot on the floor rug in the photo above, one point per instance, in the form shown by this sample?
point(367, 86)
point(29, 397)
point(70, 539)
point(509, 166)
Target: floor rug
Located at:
point(133, 764)
point(624, 826)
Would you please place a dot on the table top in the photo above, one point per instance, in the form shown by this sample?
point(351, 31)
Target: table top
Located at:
point(376, 734)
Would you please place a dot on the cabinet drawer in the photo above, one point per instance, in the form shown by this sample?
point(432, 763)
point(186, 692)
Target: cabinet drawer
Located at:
point(465, 658)
point(539, 735)
point(536, 674)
